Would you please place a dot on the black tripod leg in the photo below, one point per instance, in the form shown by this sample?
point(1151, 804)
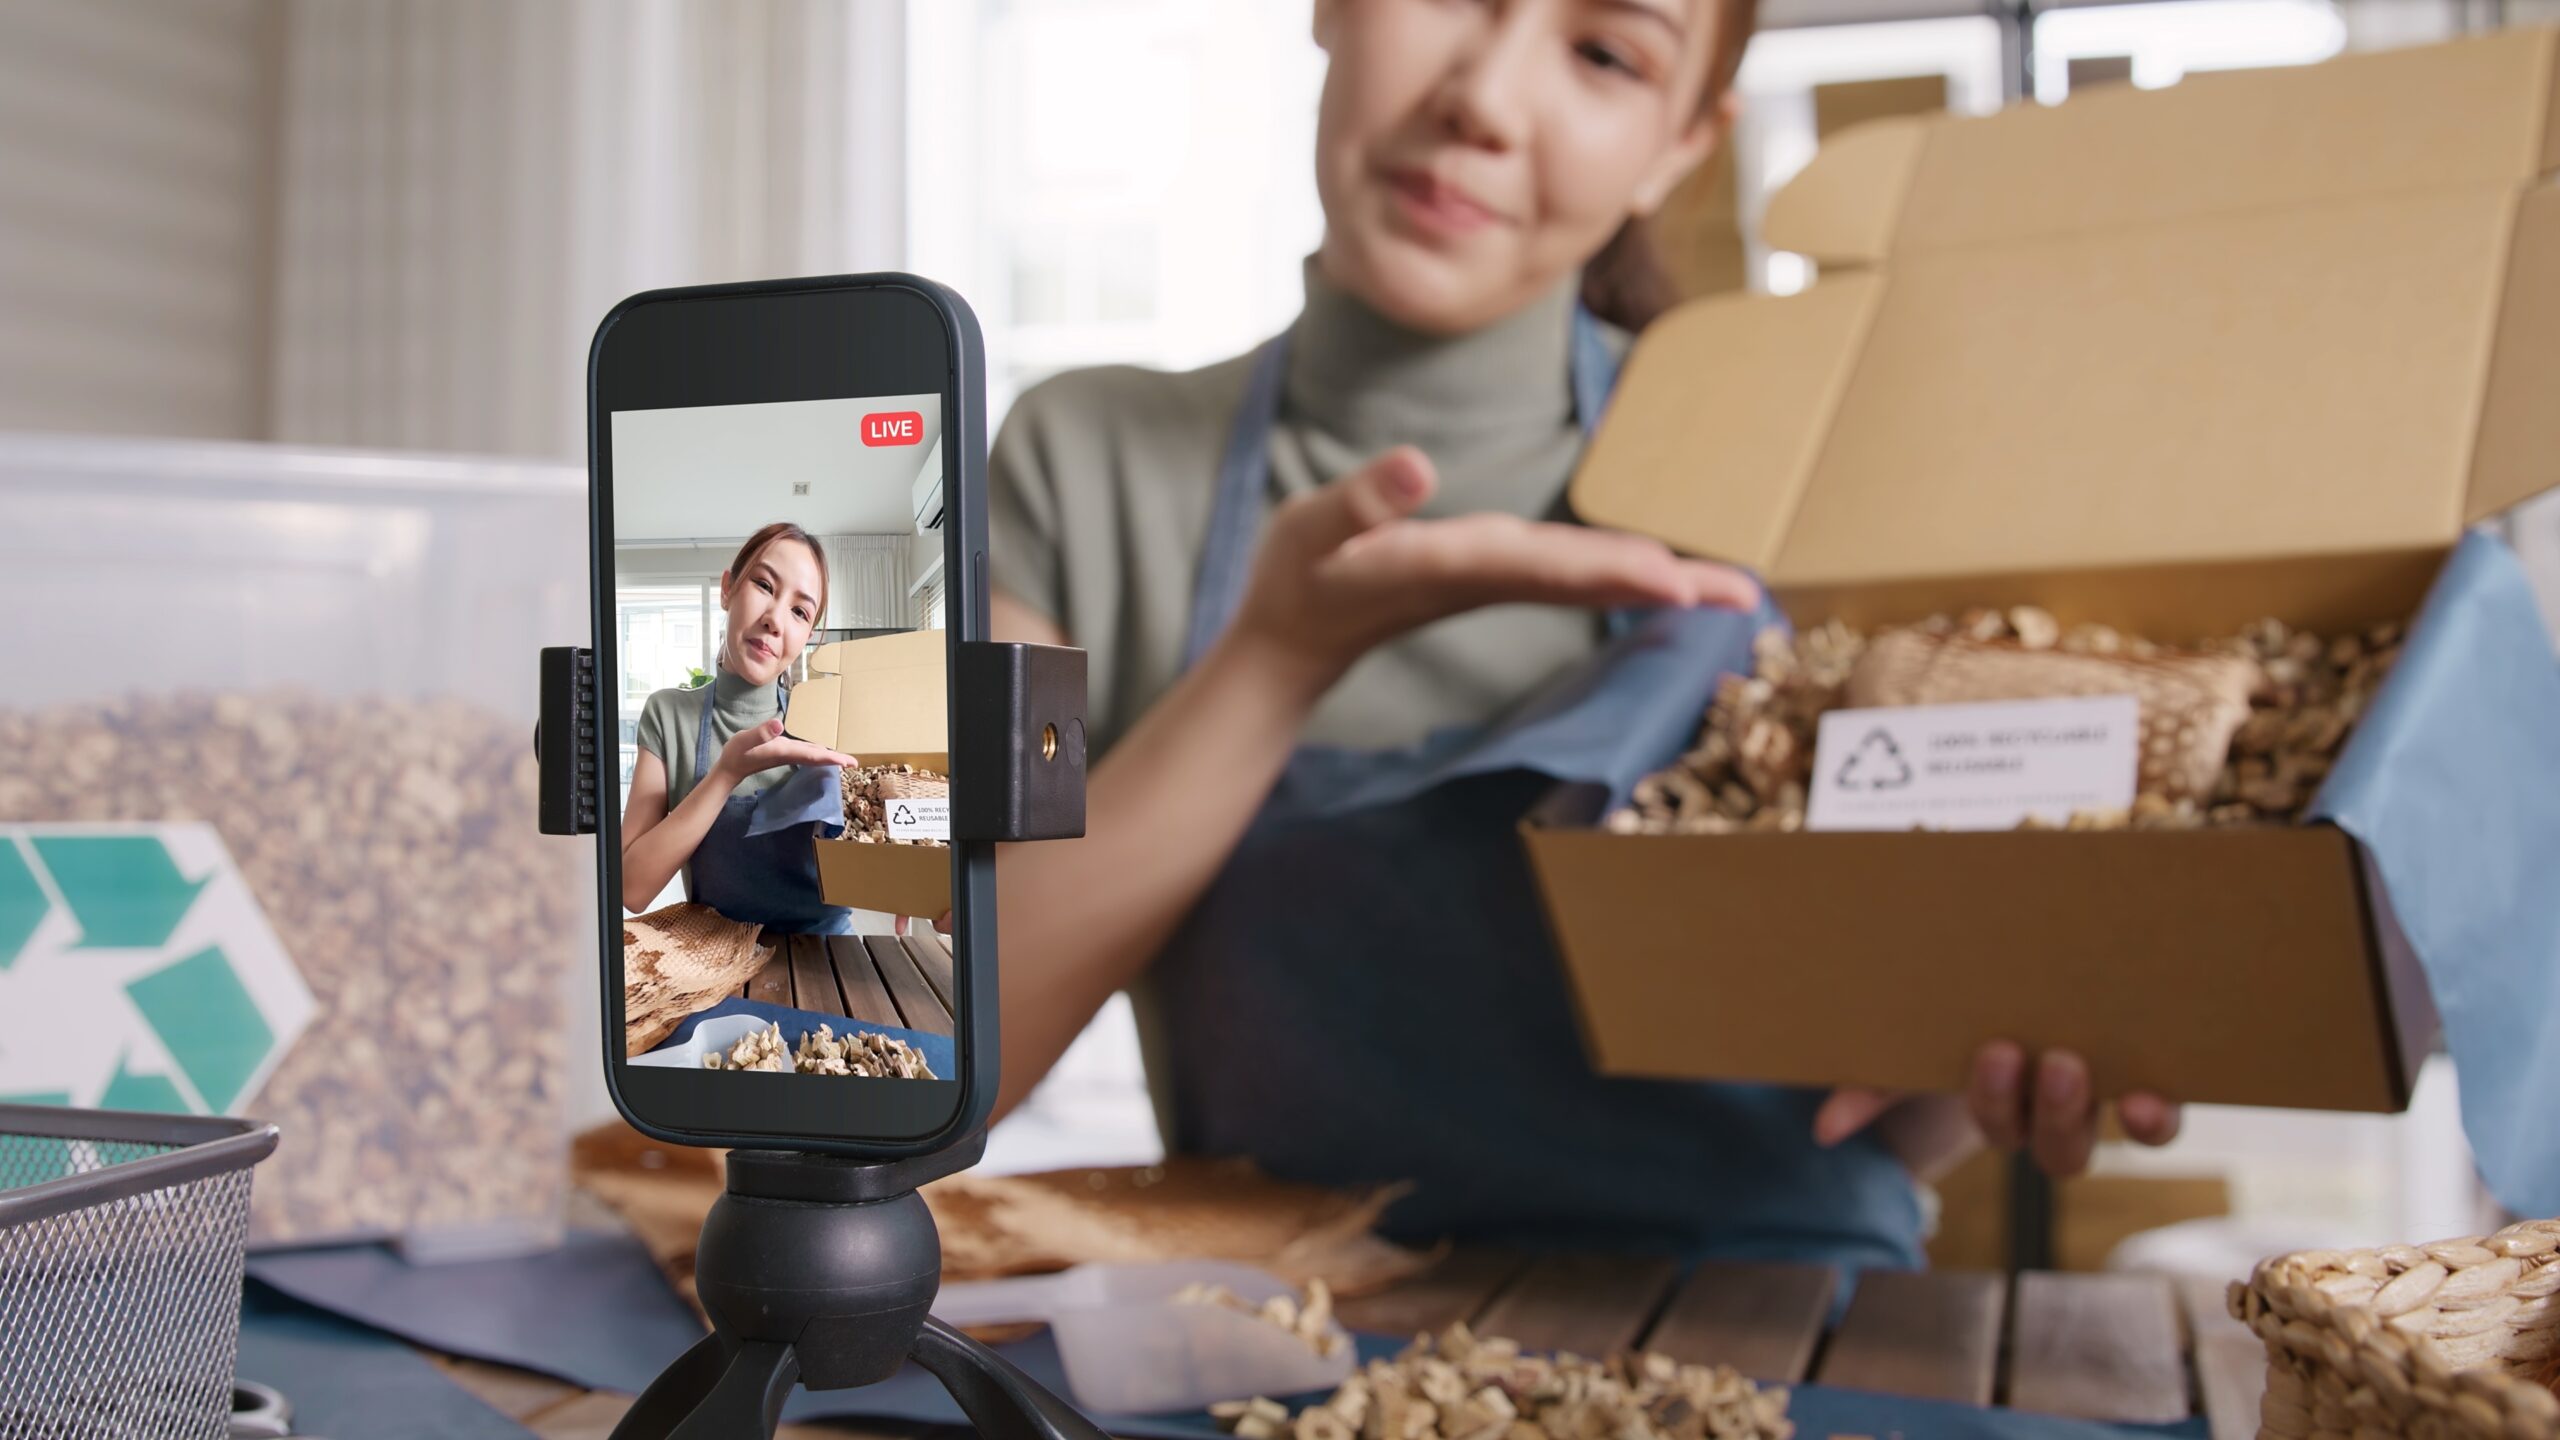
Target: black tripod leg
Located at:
point(708, 1396)
point(674, 1394)
point(1001, 1401)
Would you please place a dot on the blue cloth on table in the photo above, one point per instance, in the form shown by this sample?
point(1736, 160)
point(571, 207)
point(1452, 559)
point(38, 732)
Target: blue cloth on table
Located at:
point(344, 1379)
point(938, 1050)
point(2452, 782)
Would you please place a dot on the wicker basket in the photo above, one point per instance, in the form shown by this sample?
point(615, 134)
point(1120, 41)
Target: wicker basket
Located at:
point(2459, 1340)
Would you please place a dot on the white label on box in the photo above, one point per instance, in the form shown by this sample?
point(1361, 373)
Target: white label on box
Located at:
point(1974, 767)
point(917, 819)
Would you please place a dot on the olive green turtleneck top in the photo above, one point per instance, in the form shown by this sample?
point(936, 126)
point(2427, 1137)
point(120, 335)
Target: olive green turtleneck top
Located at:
point(1102, 481)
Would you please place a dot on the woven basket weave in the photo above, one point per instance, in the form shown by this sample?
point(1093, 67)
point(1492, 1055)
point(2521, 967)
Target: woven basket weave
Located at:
point(2459, 1340)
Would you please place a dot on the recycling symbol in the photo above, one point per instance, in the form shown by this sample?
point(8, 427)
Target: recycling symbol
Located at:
point(1876, 764)
point(902, 815)
point(137, 971)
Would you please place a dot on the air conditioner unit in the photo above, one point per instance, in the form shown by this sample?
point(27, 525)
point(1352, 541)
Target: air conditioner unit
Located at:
point(928, 493)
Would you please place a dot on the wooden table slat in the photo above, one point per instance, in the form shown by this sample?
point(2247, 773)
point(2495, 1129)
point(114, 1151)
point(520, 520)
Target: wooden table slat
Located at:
point(2230, 1362)
point(1933, 1334)
point(511, 1392)
point(1764, 1320)
point(935, 962)
point(2097, 1347)
point(865, 998)
point(1590, 1304)
point(772, 984)
point(813, 979)
point(1456, 1288)
point(921, 1008)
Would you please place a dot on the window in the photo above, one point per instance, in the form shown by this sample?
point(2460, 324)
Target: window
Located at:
point(666, 634)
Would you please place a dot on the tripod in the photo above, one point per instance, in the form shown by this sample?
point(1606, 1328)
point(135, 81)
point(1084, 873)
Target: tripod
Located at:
point(821, 1271)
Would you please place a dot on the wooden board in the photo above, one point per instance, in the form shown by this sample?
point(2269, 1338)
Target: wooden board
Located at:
point(2230, 1363)
point(1592, 1305)
point(813, 979)
point(934, 960)
point(1933, 1334)
point(1457, 1288)
point(2097, 1347)
point(511, 1392)
point(921, 1008)
point(865, 998)
point(1763, 1320)
point(772, 984)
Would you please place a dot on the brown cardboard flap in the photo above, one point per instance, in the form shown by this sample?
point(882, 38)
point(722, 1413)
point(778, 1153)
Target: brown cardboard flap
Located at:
point(2296, 381)
point(1842, 208)
point(2472, 112)
point(2519, 450)
point(2216, 966)
point(882, 696)
point(1728, 400)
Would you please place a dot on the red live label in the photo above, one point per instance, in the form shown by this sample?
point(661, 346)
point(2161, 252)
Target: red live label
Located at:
point(893, 427)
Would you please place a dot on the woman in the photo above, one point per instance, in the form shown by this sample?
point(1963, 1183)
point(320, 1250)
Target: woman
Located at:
point(715, 792)
point(1296, 571)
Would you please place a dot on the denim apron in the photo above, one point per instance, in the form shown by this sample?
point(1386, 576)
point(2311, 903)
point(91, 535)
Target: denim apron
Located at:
point(759, 861)
point(1367, 991)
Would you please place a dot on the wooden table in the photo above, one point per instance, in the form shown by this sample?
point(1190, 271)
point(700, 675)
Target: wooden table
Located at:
point(2108, 1347)
point(876, 979)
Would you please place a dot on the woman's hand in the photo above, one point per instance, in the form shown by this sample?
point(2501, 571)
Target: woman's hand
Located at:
point(1345, 568)
point(2056, 1118)
point(764, 746)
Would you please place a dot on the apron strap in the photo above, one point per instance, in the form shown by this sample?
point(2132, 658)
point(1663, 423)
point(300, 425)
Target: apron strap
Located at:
point(1244, 474)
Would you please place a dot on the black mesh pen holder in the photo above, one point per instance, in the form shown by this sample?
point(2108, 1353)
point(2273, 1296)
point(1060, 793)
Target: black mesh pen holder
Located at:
point(120, 1260)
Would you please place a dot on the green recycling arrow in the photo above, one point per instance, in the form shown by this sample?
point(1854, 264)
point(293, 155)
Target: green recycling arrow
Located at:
point(123, 889)
point(129, 1091)
point(22, 903)
point(212, 1027)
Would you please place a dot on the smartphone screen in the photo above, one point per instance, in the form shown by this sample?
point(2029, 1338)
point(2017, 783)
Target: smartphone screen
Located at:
point(777, 676)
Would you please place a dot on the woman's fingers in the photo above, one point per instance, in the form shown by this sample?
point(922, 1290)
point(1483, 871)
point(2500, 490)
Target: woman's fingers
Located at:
point(2064, 1123)
point(1995, 1093)
point(1848, 1110)
point(2148, 1118)
point(1493, 559)
point(1388, 488)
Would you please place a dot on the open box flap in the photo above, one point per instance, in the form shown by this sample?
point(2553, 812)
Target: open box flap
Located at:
point(2107, 336)
point(875, 698)
point(2464, 742)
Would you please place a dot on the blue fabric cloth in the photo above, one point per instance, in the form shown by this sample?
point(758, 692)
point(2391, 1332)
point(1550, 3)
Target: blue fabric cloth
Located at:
point(1373, 953)
point(2452, 782)
point(937, 1049)
point(345, 1379)
point(758, 862)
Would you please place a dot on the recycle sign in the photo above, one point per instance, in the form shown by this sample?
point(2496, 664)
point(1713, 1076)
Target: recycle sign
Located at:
point(1876, 764)
point(137, 971)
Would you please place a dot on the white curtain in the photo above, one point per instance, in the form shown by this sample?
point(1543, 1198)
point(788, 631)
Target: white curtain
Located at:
point(467, 186)
point(867, 579)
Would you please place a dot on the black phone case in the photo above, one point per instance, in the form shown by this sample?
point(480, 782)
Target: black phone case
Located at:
point(965, 622)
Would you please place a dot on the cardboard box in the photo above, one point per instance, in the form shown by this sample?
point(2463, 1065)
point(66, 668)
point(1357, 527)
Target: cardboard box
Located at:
point(884, 700)
point(2257, 344)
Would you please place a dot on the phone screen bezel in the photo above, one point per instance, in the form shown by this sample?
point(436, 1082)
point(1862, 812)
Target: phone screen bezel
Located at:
point(842, 337)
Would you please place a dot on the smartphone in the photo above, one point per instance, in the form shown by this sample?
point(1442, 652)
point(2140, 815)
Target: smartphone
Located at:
point(788, 521)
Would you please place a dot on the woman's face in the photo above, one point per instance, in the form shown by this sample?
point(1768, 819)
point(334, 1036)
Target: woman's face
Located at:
point(1470, 154)
point(772, 608)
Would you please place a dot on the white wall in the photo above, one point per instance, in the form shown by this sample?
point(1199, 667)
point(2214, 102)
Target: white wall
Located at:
point(134, 195)
point(725, 471)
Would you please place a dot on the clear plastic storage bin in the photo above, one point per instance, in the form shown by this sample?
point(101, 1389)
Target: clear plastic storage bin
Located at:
point(267, 818)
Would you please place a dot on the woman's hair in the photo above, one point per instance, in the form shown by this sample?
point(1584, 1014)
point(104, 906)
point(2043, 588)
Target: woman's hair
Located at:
point(1625, 283)
point(781, 530)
